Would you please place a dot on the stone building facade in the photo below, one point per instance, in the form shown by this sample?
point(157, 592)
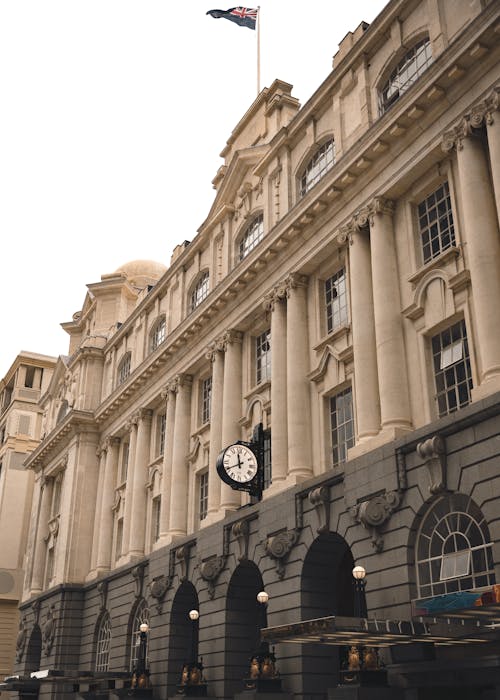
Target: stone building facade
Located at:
point(20, 428)
point(339, 300)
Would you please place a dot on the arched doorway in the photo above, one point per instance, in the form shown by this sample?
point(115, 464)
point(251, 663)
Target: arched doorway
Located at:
point(244, 619)
point(326, 589)
point(33, 656)
point(183, 641)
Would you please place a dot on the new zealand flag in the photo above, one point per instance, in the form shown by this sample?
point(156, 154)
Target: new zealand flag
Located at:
point(244, 16)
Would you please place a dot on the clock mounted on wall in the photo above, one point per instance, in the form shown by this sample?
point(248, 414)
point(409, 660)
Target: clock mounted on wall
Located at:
point(239, 466)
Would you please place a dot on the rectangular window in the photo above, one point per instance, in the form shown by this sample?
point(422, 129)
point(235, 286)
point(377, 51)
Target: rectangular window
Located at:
point(452, 371)
point(155, 519)
point(336, 301)
point(30, 377)
point(203, 495)
point(124, 462)
point(119, 539)
point(268, 477)
point(50, 566)
point(455, 564)
point(206, 399)
point(56, 495)
point(263, 357)
point(162, 424)
point(341, 425)
point(435, 220)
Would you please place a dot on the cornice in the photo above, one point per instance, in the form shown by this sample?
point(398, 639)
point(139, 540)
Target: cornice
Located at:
point(73, 423)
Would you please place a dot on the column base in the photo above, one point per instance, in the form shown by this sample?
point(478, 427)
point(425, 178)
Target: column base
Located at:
point(486, 388)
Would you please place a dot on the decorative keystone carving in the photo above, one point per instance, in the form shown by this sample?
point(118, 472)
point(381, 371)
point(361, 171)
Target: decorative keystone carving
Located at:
point(102, 589)
point(210, 571)
point(374, 513)
point(433, 453)
point(241, 531)
point(158, 588)
point(49, 631)
point(182, 556)
point(35, 606)
point(320, 499)
point(279, 547)
point(21, 639)
point(138, 576)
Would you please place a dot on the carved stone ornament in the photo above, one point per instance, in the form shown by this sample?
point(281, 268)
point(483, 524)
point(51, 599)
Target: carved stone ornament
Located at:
point(35, 606)
point(158, 588)
point(102, 589)
point(138, 576)
point(279, 546)
point(320, 499)
point(433, 453)
point(210, 571)
point(182, 556)
point(241, 531)
point(21, 639)
point(49, 631)
point(374, 513)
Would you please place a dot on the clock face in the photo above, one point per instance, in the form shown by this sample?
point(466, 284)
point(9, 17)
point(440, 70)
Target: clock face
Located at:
point(240, 463)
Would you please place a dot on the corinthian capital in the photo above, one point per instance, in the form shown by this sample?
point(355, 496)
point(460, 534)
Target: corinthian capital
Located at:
point(231, 336)
point(277, 294)
point(380, 205)
point(294, 281)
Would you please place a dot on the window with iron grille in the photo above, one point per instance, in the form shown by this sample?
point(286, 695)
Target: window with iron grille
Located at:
point(336, 301)
point(124, 368)
point(206, 399)
point(406, 73)
point(318, 166)
point(435, 220)
point(103, 644)
point(263, 356)
point(454, 551)
point(158, 334)
point(200, 291)
point(341, 425)
point(452, 371)
point(252, 236)
point(203, 495)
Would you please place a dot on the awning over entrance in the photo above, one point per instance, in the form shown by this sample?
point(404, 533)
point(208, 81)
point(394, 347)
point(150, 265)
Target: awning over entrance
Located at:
point(376, 633)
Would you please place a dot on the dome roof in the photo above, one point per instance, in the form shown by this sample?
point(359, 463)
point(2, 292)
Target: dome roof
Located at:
point(139, 272)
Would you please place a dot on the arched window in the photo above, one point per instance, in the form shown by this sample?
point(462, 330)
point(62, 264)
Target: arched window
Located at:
point(252, 236)
point(141, 615)
point(318, 166)
point(408, 70)
point(103, 642)
point(200, 290)
point(124, 368)
point(158, 334)
point(453, 548)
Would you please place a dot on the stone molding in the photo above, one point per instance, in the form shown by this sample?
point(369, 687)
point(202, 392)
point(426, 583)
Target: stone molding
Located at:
point(279, 546)
point(49, 630)
point(283, 290)
point(374, 513)
point(241, 531)
point(480, 114)
point(138, 576)
point(102, 589)
point(433, 453)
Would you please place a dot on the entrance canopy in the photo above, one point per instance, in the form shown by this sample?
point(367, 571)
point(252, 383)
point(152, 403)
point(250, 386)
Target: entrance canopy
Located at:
point(376, 633)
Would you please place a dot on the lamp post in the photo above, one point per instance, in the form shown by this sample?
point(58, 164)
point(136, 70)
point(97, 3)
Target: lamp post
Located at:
point(263, 674)
point(192, 681)
point(140, 678)
point(360, 609)
point(194, 616)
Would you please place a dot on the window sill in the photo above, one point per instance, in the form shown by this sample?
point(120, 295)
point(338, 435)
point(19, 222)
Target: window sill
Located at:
point(258, 388)
point(340, 333)
point(444, 258)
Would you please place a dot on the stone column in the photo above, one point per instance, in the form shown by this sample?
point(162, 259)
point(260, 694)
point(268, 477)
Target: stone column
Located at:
point(127, 511)
point(166, 481)
point(105, 525)
point(275, 302)
point(391, 359)
point(492, 118)
point(140, 477)
point(298, 390)
point(101, 456)
point(37, 582)
point(483, 246)
point(216, 356)
point(182, 426)
point(366, 403)
point(231, 408)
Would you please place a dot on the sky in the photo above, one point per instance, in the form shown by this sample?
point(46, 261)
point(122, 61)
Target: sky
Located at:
point(113, 114)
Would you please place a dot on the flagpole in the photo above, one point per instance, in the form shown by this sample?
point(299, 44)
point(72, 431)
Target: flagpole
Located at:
point(258, 49)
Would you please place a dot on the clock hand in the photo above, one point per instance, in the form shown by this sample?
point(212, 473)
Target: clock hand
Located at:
point(239, 462)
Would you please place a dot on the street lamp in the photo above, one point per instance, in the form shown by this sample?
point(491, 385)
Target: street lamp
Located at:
point(192, 681)
point(263, 675)
point(140, 678)
point(360, 609)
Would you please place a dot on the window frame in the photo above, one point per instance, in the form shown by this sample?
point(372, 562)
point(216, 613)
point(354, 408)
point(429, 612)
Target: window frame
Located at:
point(205, 400)
point(103, 643)
point(321, 162)
point(443, 385)
point(141, 615)
point(124, 368)
point(202, 494)
point(339, 448)
point(396, 70)
point(256, 226)
point(262, 370)
point(158, 333)
point(343, 300)
point(200, 290)
point(423, 229)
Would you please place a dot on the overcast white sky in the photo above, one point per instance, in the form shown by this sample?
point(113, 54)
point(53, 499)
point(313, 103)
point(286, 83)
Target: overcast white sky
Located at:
point(113, 114)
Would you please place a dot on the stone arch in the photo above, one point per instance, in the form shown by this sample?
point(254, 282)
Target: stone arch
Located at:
point(326, 589)
point(184, 634)
point(244, 619)
point(34, 650)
